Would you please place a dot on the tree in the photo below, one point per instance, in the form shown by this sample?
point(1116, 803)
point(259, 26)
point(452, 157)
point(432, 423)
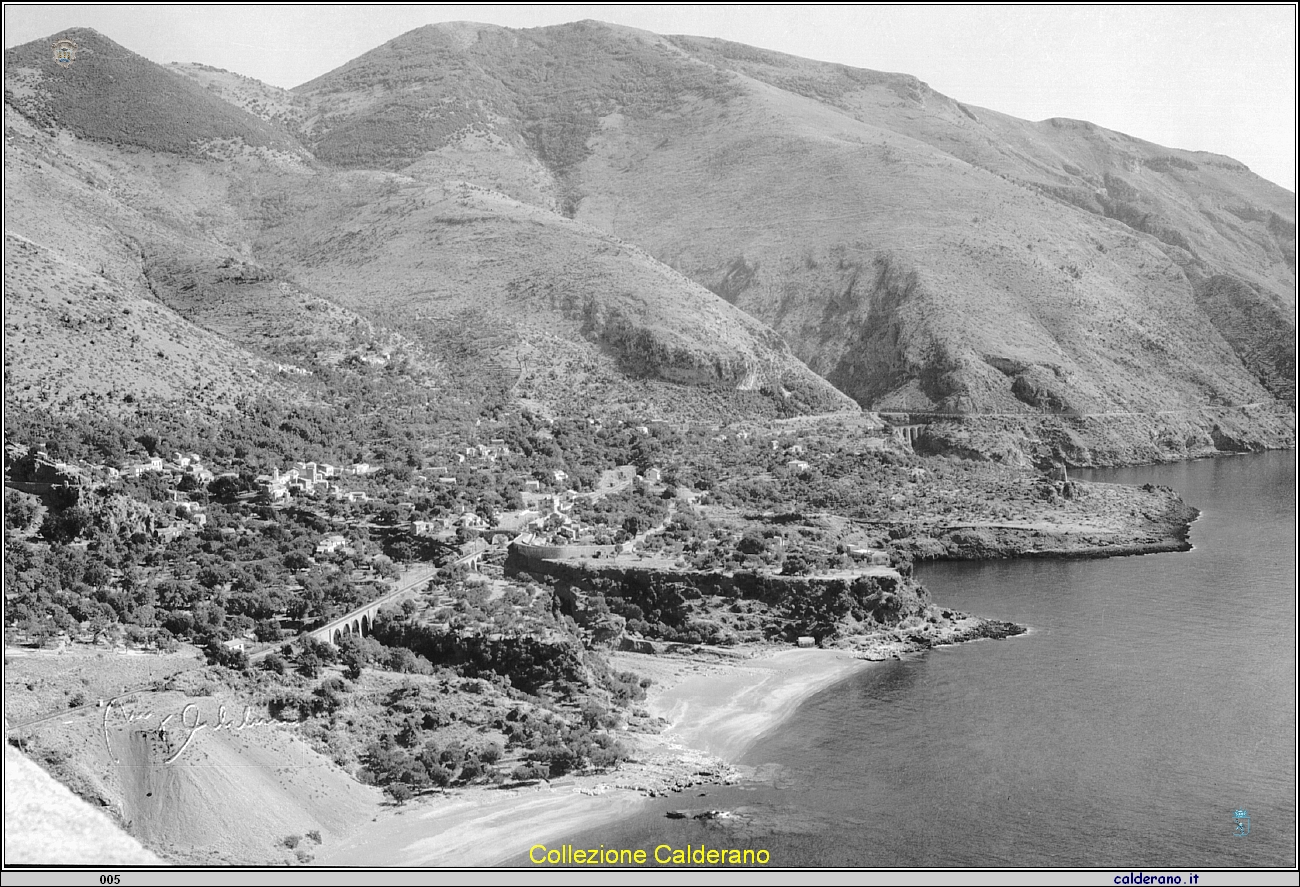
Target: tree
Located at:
point(220, 654)
point(404, 661)
point(796, 565)
point(352, 660)
point(165, 641)
point(385, 567)
point(309, 665)
point(66, 525)
point(20, 510)
point(225, 488)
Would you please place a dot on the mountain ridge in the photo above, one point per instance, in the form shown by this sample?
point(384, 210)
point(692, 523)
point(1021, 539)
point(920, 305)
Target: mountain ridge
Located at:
point(923, 255)
point(222, 208)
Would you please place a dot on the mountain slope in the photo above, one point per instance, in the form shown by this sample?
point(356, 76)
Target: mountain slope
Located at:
point(252, 256)
point(567, 315)
point(82, 328)
point(923, 255)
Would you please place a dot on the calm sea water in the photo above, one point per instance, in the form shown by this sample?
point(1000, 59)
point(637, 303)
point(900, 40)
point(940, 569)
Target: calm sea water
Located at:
point(1153, 697)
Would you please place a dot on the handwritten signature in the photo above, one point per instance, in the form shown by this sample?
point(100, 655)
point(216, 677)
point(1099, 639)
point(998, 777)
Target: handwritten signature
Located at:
point(190, 722)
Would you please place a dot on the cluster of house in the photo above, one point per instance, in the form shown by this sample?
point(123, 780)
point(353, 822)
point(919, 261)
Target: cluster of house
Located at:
point(332, 543)
point(874, 556)
point(489, 452)
point(449, 524)
point(547, 515)
point(318, 480)
point(194, 519)
point(179, 465)
point(484, 455)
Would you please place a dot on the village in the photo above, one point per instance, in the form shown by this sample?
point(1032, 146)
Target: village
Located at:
point(210, 535)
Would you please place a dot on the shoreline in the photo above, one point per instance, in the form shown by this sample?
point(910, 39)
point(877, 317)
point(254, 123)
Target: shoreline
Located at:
point(722, 711)
point(1096, 552)
point(720, 703)
point(716, 703)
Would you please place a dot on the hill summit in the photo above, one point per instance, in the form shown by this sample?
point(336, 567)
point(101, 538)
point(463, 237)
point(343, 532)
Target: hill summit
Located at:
point(111, 94)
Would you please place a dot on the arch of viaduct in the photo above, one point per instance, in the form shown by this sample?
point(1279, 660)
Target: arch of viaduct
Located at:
point(909, 432)
point(358, 622)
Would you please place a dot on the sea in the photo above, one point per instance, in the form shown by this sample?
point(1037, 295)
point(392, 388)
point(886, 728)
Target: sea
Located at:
point(1146, 720)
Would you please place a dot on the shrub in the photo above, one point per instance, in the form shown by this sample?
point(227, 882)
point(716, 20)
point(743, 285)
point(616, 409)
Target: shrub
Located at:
point(292, 841)
point(440, 775)
point(528, 772)
point(289, 707)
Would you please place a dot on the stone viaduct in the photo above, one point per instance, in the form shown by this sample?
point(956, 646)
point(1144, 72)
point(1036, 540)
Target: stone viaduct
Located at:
point(905, 425)
point(909, 433)
point(361, 620)
point(358, 622)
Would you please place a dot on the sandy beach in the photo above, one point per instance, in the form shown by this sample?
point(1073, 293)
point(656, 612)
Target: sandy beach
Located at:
point(717, 706)
point(722, 707)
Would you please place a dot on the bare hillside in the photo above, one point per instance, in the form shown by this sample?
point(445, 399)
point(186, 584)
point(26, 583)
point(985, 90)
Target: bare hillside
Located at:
point(923, 255)
point(564, 313)
point(258, 256)
point(594, 214)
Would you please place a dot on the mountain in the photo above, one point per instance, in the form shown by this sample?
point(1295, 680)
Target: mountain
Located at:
point(923, 255)
point(111, 94)
point(591, 214)
point(246, 253)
